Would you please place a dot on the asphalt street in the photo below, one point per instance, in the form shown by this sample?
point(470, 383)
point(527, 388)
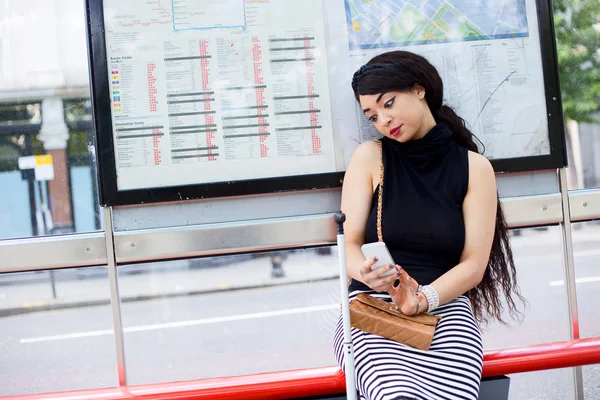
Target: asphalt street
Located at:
point(269, 329)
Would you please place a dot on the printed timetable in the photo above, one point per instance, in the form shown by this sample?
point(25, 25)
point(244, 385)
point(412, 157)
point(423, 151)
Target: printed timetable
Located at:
point(217, 91)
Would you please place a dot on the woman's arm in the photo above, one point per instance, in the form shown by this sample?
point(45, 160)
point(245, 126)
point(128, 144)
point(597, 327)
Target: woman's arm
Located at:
point(361, 178)
point(479, 213)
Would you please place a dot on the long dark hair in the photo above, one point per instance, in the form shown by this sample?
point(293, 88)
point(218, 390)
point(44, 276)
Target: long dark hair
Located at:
point(401, 71)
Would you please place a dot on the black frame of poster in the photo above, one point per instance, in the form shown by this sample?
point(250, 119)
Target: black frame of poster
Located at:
point(110, 195)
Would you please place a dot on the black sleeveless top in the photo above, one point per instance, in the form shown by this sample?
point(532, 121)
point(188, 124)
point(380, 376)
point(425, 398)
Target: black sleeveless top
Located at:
point(425, 183)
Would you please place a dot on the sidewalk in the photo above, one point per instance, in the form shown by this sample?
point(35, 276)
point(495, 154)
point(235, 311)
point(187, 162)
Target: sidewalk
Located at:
point(586, 232)
point(160, 280)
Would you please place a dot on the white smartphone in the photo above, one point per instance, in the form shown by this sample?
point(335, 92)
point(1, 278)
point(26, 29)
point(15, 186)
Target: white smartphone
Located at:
point(379, 250)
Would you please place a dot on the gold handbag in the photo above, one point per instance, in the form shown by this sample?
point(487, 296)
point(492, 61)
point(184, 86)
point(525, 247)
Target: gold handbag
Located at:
point(385, 319)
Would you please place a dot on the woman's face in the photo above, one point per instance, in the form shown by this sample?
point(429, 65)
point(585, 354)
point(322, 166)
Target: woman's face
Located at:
point(401, 116)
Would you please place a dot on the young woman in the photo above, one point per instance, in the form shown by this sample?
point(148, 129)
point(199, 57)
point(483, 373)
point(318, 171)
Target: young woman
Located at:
point(441, 221)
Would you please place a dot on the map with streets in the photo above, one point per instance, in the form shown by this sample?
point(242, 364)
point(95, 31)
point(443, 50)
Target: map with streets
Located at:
point(393, 23)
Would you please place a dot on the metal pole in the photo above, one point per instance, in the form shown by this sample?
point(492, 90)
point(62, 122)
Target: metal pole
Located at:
point(35, 230)
point(45, 232)
point(29, 174)
point(340, 218)
point(115, 300)
point(41, 194)
point(53, 283)
point(567, 242)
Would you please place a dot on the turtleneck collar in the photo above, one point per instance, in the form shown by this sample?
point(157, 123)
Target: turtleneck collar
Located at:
point(427, 151)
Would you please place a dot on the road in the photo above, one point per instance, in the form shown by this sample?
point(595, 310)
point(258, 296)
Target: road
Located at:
point(270, 329)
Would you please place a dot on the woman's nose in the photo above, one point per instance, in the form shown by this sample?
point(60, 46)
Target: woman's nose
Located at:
point(386, 118)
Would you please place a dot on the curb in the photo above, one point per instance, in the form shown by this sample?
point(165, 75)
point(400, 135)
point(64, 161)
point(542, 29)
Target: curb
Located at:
point(9, 312)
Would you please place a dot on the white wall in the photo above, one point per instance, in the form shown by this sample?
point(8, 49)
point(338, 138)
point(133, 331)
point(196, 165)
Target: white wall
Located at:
point(42, 44)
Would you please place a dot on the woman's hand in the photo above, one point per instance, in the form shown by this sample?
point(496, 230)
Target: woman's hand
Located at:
point(406, 295)
point(375, 279)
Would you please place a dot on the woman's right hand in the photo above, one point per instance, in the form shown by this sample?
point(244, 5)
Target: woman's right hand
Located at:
point(374, 279)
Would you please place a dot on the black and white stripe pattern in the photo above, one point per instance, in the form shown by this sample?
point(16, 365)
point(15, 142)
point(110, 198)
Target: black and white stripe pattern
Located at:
point(450, 369)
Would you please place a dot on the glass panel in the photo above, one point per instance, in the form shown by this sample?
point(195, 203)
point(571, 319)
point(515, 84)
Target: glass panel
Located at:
point(56, 331)
point(86, 212)
point(591, 377)
point(54, 195)
point(543, 385)
point(14, 224)
point(64, 201)
point(229, 315)
point(578, 41)
point(586, 246)
point(589, 137)
point(539, 261)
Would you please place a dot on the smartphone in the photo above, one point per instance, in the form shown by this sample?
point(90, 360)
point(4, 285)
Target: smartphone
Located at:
point(379, 250)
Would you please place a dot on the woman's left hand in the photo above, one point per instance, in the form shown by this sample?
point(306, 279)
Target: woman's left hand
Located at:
point(406, 295)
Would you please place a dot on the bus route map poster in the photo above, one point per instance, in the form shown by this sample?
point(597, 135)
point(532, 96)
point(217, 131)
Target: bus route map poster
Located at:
point(487, 53)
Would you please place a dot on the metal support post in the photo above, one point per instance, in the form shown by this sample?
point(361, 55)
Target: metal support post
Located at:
point(567, 242)
point(349, 370)
point(115, 300)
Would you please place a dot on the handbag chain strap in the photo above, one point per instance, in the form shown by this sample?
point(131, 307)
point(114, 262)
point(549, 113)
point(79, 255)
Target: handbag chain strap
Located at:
point(380, 196)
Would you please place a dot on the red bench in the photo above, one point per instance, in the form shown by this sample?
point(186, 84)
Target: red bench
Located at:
point(330, 380)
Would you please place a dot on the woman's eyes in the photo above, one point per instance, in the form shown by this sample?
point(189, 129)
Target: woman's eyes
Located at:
point(387, 104)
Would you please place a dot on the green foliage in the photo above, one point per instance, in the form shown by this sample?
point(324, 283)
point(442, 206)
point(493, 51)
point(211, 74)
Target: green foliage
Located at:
point(9, 157)
point(577, 25)
point(78, 148)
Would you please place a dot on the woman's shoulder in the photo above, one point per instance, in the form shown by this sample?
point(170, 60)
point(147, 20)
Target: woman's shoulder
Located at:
point(369, 146)
point(365, 162)
point(480, 169)
point(479, 162)
point(366, 152)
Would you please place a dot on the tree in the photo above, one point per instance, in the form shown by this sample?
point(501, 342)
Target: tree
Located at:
point(577, 26)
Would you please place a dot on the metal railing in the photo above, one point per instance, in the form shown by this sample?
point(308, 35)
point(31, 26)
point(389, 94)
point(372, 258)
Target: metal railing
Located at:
point(89, 249)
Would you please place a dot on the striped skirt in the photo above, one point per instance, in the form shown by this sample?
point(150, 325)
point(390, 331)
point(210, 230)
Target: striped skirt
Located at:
point(450, 369)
